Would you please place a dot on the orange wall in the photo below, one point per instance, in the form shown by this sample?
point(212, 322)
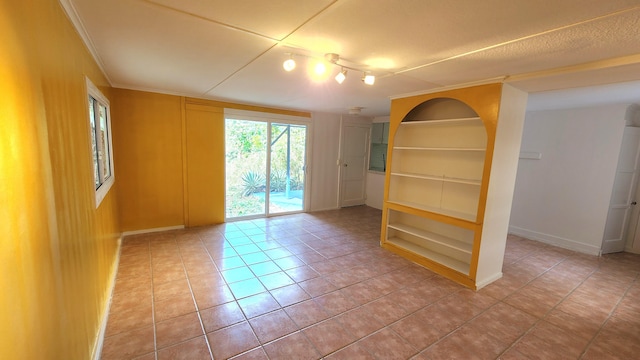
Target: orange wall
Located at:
point(57, 251)
point(147, 142)
point(169, 158)
point(205, 159)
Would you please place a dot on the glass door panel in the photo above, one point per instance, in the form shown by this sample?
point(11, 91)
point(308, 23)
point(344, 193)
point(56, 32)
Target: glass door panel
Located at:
point(287, 168)
point(246, 168)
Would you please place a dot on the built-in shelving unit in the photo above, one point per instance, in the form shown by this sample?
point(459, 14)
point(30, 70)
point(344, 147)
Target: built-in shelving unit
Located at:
point(441, 149)
point(443, 158)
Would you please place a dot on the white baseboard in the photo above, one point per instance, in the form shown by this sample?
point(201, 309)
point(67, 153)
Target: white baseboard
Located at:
point(97, 349)
point(147, 231)
point(555, 240)
point(323, 209)
point(488, 281)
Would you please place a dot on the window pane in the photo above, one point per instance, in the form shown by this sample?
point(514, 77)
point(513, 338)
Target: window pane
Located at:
point(105, 157)
point(246, 167)
point(94, 148)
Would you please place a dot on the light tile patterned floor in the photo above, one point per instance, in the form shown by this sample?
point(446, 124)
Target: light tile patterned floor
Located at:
point(318, 285)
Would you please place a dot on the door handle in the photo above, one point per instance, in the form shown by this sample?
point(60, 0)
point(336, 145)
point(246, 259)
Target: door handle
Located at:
point(633, 203)
point(345, 165)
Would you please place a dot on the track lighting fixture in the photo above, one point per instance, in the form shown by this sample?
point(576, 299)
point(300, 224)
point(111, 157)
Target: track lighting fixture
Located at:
point(289, 64)
point(368, 79)
point(341, 76)
point(318, 69)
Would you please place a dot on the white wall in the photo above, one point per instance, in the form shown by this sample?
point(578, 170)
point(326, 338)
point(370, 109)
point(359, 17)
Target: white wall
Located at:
point(375, 189)
point(563, 198)
point(504, 168)
point(323, 173)
point(375, 180)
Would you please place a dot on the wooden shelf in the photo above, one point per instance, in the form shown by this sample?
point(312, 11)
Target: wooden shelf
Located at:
point(445, 260)
point(419, 148)
point(443, 166)
point(433, 237)
point(451, 213)
point(438, 178)
point(460, 121)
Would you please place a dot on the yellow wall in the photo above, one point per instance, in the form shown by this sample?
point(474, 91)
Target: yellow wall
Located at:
point(147, 142)
point(169, 158)
point(205, 160)
point(57, 251)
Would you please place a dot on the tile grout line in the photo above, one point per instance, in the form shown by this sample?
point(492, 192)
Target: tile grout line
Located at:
point(542, 318)
point(299, 330)
point(193, 298)
point(344, 235)
point(153, 310)
point(235, 299)
point(609, 316)
point(502, 301)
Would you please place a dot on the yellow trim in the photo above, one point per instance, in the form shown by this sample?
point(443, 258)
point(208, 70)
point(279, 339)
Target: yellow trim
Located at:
point(230, 105)
point(432, 265)
point(485, 101)
point(435, 216)
point(185, 172)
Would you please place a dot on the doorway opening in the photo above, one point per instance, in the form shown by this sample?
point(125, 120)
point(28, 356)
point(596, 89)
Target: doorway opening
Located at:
point(265, 167)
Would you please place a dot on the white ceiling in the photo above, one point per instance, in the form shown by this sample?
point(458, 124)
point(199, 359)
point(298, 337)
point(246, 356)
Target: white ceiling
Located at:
point(233, 50)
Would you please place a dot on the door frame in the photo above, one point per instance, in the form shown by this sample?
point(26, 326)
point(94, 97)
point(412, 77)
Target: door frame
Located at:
point(346, 120)
point(269, 119)
point(631, 213)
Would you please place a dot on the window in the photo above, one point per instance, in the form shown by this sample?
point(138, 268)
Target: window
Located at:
point(378, 153)
point(100, 134)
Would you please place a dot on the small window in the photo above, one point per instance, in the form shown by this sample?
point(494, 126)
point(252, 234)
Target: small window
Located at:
point(100, 134)
point(378, 153)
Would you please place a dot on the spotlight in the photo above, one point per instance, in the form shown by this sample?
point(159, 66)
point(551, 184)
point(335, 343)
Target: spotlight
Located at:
point(289, 64)
point(368, 79)
point(341, 76)
point(320, 68)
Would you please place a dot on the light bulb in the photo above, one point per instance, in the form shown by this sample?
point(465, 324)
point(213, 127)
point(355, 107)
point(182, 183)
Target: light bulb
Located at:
point(289, 64)
point(320, 68)
point(369, 79)
point(341, 76)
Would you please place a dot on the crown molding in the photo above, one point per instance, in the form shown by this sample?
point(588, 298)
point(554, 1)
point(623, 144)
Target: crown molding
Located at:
point(75, 19)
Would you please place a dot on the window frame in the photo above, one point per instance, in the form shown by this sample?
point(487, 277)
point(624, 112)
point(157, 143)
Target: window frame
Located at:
point(381, 146)
point(104, 185)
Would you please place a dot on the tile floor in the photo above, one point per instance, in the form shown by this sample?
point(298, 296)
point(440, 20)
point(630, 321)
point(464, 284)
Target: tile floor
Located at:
point(317, 285)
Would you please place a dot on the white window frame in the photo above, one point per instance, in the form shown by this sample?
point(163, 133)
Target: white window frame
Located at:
point(104, 186)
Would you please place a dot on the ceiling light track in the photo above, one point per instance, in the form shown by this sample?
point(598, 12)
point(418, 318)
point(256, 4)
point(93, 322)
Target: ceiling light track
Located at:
point(329, 59)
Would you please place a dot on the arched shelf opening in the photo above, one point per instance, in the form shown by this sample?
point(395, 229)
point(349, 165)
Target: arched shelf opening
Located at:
point(439, 109)
point(438, 159)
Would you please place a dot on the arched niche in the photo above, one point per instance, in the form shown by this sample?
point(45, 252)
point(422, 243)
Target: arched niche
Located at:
point(440, 108)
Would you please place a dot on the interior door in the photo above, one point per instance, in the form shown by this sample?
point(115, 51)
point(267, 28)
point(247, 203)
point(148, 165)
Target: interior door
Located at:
point(355, 150)
point(623, 195)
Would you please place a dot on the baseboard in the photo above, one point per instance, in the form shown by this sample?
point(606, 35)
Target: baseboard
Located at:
point(147, 231)
point(485, 282)
point(97, 349)
point(323, 209)
point(555, 240)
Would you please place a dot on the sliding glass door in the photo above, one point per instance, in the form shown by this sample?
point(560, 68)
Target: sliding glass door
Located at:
point(265, 167)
